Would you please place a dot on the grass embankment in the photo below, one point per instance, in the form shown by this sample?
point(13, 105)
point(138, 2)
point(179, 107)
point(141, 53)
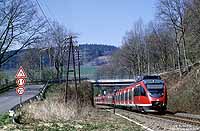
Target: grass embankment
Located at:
point(53, 114)
point(98, 120)
point(184, 93)
point(4, 119)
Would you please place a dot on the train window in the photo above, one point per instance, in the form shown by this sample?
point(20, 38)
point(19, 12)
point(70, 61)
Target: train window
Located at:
point(142, 91)
point(139, 91)
point(136, 92)
point(122, 97)
point(130, 95)
point(126, 96)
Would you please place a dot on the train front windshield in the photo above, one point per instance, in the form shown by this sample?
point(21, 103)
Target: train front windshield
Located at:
point(155, 89)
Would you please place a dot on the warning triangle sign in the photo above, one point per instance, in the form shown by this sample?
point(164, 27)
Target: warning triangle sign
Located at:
point(21, 73)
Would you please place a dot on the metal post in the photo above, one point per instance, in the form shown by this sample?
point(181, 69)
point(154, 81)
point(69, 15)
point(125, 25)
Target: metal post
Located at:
point(20, 101)
point(40, 67)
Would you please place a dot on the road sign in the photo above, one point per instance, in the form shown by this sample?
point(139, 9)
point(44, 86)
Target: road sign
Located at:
point(20, 90)
point(20, 82)
point(21, 73)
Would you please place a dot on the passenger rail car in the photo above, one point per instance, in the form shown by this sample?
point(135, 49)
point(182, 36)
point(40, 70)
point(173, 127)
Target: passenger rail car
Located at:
point(148, 94)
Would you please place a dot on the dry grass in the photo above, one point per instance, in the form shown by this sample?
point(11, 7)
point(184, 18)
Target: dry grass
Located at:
point(48, 111)
point(100, 120)
point(53, 108)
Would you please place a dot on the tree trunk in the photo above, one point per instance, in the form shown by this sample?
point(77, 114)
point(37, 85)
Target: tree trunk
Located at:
point(179, 59)
point(57, 71)
point(184, 53)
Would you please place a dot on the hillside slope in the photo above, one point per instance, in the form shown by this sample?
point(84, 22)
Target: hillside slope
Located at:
point(88, 53)
point(184, 93)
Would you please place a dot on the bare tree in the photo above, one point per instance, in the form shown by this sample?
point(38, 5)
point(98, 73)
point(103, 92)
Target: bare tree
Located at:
point(56, 40)
point(145, 50)
point(172, 13)
point(131, 56)
point(192, 18)
point(20, 26)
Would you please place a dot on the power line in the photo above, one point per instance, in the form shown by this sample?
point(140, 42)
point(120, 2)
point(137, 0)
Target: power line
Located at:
point(44, 15)
point(49, 10)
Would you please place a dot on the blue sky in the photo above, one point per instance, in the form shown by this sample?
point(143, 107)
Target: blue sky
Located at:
point(99, 21)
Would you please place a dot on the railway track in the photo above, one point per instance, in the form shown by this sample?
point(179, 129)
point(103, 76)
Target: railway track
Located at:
point(161, 122)
point(185, 120)
point(181, 123)
point(181, 119)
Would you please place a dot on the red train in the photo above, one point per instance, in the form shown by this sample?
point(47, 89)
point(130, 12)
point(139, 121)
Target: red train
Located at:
point(148, 94)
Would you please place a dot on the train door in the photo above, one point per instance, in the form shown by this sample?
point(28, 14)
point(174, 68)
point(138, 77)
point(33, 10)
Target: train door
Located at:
point(123, 97)
point(143, 96)
point(120, 101)
point(129, 96)
point(116, 99)
point(126, 97)
point(124, 92)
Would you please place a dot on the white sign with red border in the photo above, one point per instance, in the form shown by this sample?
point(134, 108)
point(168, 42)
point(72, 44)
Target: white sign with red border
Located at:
point(20, 90)
point(20, 82)
point(21, 73)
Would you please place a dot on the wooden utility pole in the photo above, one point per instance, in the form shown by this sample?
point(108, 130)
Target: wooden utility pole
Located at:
point(71, 53)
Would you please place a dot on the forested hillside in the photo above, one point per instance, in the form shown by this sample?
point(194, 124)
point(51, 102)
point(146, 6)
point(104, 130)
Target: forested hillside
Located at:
point(88, 52)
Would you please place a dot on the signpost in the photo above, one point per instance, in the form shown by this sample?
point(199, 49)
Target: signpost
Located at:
point(20, 90)
point(21, 73)
point(20, 80)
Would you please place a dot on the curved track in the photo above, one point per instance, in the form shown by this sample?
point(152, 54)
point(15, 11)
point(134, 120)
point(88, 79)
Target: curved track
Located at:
point(180, 119)
point(161, 122)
